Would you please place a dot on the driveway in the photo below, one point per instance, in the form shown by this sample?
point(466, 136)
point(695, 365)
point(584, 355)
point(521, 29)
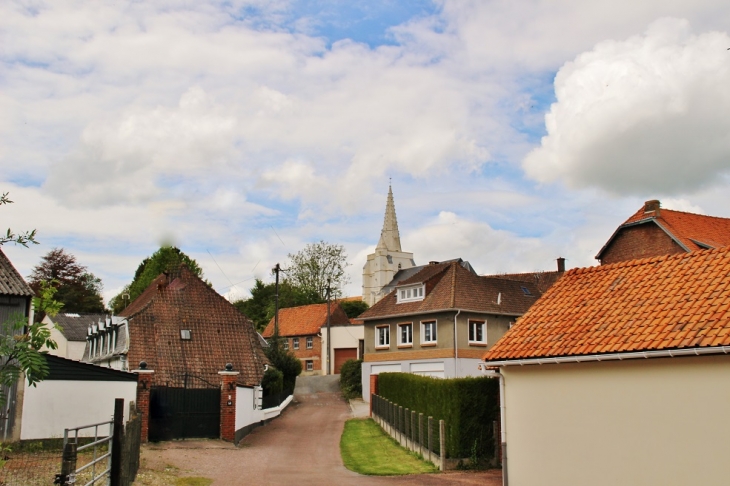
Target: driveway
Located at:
point(299, 447)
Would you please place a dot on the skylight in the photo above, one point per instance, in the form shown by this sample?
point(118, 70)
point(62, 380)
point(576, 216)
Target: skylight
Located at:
point(526, 291)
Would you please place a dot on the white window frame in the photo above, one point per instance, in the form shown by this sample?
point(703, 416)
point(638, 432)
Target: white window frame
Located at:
point(383, 330)
point(412, 293)
point(473, 326)
point(286, 344)
point(434, 338)
point(310, 342)
point(295, 343)
point(409, 343)
point(309, 364)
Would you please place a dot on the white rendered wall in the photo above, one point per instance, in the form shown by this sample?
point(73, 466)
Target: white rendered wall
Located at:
point(246, 414)
point(54, 405)
point(635, 422)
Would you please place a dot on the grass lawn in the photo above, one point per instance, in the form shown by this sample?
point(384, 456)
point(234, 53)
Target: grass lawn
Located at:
point(366, 449)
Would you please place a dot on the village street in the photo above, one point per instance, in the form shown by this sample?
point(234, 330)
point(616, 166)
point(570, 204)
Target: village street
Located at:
point(299, 447)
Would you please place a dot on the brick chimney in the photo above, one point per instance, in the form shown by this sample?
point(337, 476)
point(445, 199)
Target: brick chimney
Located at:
point(653, 205)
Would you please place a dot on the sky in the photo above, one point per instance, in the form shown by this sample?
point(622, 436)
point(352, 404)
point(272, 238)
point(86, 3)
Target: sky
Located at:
point(512, 133)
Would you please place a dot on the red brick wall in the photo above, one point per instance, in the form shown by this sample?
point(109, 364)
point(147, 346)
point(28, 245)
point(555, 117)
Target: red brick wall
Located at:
point(314, 354)
point(641, 241)
point(373, 390)
point(228, 407)
point(144, 384)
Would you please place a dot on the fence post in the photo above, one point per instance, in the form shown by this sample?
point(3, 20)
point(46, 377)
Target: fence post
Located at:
point(68, 464)
point(442, 444)
point(414, 436)
point(400, 424)
point(420, 434)
point(117, 441)
point(406, 423)
point(430, 438)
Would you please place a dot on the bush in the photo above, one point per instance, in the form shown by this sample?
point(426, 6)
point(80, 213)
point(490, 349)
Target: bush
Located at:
point(350, 378)
point(468, 405)
point(273, 382)
point(284, 361)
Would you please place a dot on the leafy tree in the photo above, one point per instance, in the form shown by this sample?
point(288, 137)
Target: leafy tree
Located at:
point(272, 382)
point(261, 305)
point(12, 237)
point(354, 308)
point(318, 266)
point(351, 378)
point(76, 288)
point(165, 259)
point(284, 361)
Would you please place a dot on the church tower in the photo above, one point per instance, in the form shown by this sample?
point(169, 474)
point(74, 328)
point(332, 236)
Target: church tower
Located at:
point(387, 259)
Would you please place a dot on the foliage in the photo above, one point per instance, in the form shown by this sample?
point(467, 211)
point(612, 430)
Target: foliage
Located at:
point(366, 449)
point(468, 405)
point(353, 308)
point(318, 266)
point(284, 361)
point(165, 259)
point(261, 306)
point(350, 378)
point(12, 237)
point(77, 289)
point(20, 343)
point(273, 382)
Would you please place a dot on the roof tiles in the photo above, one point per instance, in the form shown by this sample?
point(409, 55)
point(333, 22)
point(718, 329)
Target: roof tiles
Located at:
point(306, 319)
point(11, 283)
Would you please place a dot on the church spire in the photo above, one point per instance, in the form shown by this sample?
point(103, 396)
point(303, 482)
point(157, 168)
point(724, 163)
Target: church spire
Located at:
point(389, 236)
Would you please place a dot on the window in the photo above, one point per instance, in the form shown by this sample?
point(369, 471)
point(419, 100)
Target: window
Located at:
point(310, 343)
point(310, 365)
point(477, 332)
point(411, 294)
point(428, 332)
point(382, 337)
point(295, 343)
point(185, 334)
point(286, 344)
point(405, 335)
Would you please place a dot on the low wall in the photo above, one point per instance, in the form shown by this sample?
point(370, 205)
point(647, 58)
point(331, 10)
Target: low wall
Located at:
point(249, 416)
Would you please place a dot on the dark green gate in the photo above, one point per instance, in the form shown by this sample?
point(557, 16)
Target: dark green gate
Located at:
point(185, 412)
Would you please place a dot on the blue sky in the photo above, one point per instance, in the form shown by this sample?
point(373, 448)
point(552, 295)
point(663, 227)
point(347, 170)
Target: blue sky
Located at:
point(513, 132)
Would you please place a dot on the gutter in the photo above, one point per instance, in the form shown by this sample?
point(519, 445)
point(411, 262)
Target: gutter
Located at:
point(502, 422)
point(668, 353)
point(452, 309)
point(456, 346)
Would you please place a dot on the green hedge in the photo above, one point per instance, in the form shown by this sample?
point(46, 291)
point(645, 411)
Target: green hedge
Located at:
point(468, 405)
point(350, 378)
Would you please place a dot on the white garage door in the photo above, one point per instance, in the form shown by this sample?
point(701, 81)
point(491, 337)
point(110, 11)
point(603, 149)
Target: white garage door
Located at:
point(435, 370)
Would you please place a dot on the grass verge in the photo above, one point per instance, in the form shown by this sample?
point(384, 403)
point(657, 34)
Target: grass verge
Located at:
point(366, 449)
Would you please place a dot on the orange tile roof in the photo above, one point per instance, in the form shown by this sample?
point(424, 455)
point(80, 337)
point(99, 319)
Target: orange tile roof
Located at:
point(306, 319)
point(692, 231)
point(669, 302)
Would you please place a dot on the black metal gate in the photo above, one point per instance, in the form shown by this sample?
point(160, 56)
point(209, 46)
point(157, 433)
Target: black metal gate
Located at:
point(184, 412)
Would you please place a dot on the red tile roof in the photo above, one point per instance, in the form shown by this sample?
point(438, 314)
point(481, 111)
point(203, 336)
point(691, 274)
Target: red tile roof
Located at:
point(306, 320)
point(692, 231)
point(662, 303)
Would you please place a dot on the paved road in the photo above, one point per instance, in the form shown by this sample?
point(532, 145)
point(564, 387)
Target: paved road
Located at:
point(300, 447)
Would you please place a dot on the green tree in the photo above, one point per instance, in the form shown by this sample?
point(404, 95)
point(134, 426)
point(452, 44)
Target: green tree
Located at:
point(76, 288)
point(353, 308)
point(163, 260)
point(284, 361)
point(318, 266)
point(261, 305)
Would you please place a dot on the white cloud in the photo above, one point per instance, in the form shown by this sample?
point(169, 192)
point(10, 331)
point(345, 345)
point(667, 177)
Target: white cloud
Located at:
point(647, 114)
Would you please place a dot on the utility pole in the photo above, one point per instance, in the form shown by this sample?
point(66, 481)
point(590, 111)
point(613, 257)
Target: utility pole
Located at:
point(276, 270)
point(329, 344)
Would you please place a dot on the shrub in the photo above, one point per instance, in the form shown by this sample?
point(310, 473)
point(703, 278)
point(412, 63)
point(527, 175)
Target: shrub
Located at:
point(273, 382)
point(350, 378)
point(284, 361)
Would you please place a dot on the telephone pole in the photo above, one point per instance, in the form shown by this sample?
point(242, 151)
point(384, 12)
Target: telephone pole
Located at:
point(329, 344)
point(276, 270)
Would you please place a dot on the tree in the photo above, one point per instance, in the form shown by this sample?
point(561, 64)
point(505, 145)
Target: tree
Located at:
point(284, 361)
point(12, 237)
point(165, 259)
point(318, 266)
point(353, 308)
point(76, 288)
point(261, 305)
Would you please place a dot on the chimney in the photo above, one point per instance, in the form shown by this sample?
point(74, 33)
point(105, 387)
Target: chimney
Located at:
point(561, 264)
point(653, 205)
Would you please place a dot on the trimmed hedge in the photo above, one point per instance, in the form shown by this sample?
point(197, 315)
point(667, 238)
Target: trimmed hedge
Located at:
point(468, 405)
point(350, 378)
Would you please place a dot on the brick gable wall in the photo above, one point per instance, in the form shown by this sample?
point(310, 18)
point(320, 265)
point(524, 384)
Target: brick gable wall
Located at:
point(641, 241)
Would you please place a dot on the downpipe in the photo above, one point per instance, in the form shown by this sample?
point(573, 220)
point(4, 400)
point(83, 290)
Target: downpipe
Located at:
point(502, 422)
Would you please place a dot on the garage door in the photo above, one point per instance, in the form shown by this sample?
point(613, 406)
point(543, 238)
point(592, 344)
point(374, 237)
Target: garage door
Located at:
point(342, 355)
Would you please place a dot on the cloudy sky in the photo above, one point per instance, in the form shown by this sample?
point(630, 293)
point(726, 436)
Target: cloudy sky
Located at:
point(513, 132)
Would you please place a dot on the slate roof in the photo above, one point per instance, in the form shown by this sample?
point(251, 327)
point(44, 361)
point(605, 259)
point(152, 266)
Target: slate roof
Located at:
point(220, 334)
point(450, 286)
point(663, 303)
point(306, 320)
point(11, 283)
point(75, 326)
point(691, 231)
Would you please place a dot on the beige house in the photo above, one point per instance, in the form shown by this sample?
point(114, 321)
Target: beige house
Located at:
point(70, 331)
point(620, 374)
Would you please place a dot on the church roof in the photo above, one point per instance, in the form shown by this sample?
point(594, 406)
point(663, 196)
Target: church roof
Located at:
point(389, 235)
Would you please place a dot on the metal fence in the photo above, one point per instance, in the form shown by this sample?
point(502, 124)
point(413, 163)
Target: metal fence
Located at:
point(28, 468)
point(412, 430)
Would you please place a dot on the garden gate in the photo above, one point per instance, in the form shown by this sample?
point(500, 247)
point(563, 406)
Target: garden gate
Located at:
point(192, 409)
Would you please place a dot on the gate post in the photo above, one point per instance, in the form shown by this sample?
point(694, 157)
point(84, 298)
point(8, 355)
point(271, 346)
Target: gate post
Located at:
point(373, 390)
point(228, 403)
point(145, 380)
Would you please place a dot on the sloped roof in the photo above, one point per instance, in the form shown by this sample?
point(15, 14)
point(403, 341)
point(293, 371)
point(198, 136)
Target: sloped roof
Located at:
point(75, 326)
point(691, 231)
point(406, 273)
point(11, 283)
point(663, 303)
point(306, 319)
point(451, 286)
point(220, 334)
point(543, 280)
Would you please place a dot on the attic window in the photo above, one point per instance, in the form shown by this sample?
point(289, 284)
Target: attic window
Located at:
point(526, 291)
point(185, 334)
point(411, 294)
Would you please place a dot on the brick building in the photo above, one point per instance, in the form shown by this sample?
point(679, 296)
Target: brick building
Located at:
point(654, 231)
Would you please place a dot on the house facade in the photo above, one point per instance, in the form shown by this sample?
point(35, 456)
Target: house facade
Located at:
point(440, 321)
point(303, 330)
point(70, 330)
point(654, 231)
point(619, 375)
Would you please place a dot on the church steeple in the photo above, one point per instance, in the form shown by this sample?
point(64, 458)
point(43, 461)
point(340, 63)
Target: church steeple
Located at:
point(389, 235)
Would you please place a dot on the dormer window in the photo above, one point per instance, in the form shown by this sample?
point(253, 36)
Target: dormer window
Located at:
point(185, 334)
point(411, 294)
